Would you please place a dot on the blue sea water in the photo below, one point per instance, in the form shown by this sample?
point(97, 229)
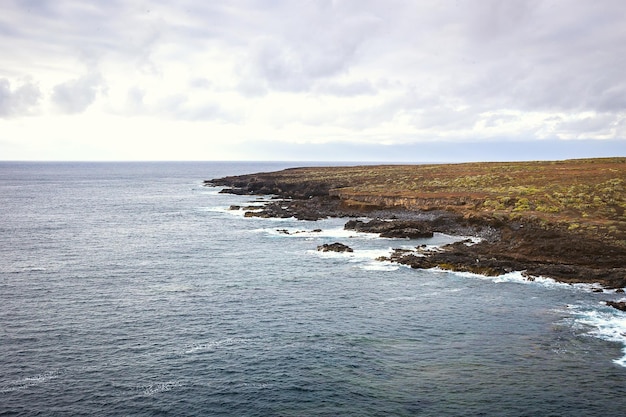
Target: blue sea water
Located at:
point(131, 289)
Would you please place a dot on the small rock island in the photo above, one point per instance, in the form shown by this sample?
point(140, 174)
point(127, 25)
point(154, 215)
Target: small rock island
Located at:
point(560, 219)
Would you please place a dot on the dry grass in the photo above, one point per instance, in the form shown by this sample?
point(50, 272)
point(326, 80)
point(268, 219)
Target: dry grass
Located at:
point(588, 195)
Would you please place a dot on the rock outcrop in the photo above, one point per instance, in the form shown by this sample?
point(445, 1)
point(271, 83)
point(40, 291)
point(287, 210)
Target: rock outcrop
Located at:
point(334, 247)
point(411, 229)
point(508, 242)
point(620, 305)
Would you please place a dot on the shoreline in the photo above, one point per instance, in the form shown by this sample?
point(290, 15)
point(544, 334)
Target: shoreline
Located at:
point(514, 242)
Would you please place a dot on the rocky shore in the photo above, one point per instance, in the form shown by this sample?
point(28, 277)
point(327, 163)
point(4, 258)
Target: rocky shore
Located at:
point(501, 243)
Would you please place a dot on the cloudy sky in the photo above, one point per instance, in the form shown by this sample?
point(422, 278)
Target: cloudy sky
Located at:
point(312, 80)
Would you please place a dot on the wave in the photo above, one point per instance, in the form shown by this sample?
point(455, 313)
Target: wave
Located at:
point(366, 259)
point(606, 323)
point(334, 232)
point(356, 256)
point(159, 387)
point(211, 346)
point(225, 210)
point(239, 208)
point(380, 266)
point(519, 277)
point(30, 381)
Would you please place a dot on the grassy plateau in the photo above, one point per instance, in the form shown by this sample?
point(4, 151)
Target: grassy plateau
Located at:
point(585, 195)
point(562, 219)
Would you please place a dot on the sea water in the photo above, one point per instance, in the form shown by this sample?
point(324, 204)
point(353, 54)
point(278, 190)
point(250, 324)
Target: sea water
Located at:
point(131, 289)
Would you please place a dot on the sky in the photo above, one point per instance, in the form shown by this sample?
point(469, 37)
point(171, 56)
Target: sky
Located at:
point(327, 80)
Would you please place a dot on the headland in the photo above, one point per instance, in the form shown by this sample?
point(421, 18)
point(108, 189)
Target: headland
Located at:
point(564, 220)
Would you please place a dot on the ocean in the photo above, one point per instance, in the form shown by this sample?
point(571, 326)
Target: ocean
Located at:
point(132, 289)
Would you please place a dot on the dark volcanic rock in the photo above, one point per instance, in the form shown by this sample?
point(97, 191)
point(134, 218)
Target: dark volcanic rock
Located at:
point(456, 257)
point(620, 305)
point(314, 208)
point(521, 244)
point(412, 229)
point(334, 247)
point(266, 184)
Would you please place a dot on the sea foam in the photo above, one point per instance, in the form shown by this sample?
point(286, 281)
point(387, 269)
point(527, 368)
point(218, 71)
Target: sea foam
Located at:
point(334, 232)
point(607, 324)
point(211, 345)
point(29, 381)
point(159, 387)
point(519, 277)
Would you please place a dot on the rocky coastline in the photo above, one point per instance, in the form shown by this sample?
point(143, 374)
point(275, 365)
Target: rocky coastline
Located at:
point(500, 244)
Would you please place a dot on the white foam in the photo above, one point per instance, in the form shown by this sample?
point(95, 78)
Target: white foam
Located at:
point(210, 346)
point(607, 324)
point(519, 277)
point(29, 381)
point(365, 259)
point(356, 256)
point(226, 210)
point(336, 233)
point(159, 387)
point(380, 266)
point(218, 209)
point(331, 254)
point(372, 253)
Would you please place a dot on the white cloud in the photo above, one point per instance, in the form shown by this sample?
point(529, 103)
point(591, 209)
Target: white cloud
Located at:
point(21, 100)
point(74, 96)
point(367, 71)
point(346, 89)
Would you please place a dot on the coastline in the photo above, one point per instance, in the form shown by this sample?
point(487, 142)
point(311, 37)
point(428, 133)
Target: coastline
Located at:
point(402, 202)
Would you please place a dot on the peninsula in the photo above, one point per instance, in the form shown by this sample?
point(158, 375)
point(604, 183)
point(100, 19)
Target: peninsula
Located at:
point(560, 219)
